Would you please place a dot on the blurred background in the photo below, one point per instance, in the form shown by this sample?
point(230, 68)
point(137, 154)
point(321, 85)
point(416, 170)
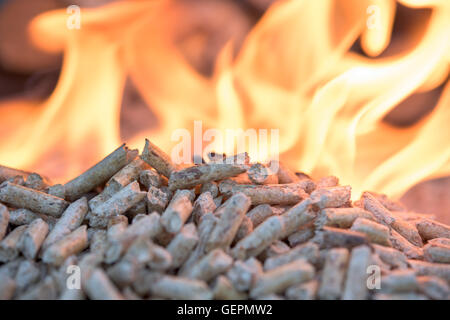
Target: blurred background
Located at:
point(29, 73)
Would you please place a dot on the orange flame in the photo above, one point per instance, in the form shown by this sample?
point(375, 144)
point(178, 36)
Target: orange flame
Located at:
point(295, 72)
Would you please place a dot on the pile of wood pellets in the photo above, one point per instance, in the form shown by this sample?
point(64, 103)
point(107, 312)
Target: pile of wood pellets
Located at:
point(140, 227)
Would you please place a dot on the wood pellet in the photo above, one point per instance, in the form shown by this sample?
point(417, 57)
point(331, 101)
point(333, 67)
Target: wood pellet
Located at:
point(142, 227)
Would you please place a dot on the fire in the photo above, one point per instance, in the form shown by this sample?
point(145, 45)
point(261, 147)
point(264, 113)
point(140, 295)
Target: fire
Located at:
point(295, 72)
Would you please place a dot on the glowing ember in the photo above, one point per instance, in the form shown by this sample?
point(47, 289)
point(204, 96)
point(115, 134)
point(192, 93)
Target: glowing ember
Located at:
point(295, 72)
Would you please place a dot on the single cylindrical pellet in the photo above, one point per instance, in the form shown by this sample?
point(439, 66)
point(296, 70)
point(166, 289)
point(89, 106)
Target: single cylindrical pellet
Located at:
point(182, 245)
point(203, 205)
point(73, 243)
point(402, 244)
point(356, 282)
point(377, 209)
point(334, 237)
point(430, 229)
point(232, 214)
point(69, 221)
point(280, 278)
point(437, 253)
point(260, 213)
point(192, 176)
point(285, 194)
point(20, 217)
point(178, 211)
point(391, 256)
point(33, 237)
point(34, 200)
point(341, 217)
point(332, 197)
point(261, 237)
point(333, 275)
point(408, 231)
point(116, 205)
point(297, 216)
point(158, 159)
point(171, 287)
point(156, 200)
point(99, 173)
point(374, 231)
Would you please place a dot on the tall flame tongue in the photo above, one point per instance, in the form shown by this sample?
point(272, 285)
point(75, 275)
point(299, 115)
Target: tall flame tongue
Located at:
point(295, 73)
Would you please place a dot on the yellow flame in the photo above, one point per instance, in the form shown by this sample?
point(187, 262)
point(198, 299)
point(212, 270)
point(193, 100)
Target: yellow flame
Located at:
point(295, 72)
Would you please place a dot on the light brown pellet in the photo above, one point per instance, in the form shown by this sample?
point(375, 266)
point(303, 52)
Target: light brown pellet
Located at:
point(279, 279)
point(333, 275)
point(9, 246)
point(211, 265)
point(71, 219)
point(437, 253)
point(99, 173)
point(34, 200)
point(375, 232)
point(332, 197)
point(260, 213)
point(355, 284)
point(192, 176)
point(203, 205)
point(177, 212)
point(232, 213)
point(171, 287)
point(430, 229)
point(33, 237)
point(285, 194)
point(158, 159)
point(341, 217)
point(73, 243)
point(182, 245)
